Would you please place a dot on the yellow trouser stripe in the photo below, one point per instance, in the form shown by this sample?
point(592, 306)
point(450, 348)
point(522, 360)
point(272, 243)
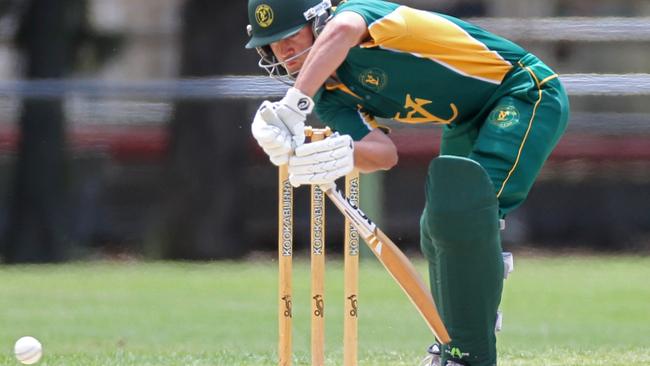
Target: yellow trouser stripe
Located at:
point(530, 125)
point(554, 76)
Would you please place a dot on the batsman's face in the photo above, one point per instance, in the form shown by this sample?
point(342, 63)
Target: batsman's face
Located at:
point(291, 47)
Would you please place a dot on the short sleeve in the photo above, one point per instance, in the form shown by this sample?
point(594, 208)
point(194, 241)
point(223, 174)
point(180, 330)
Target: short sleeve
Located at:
point(392, 25)
point(370, 10)
point(343, 118)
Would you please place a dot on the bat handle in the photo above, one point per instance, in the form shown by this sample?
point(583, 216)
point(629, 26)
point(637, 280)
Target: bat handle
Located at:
point(328, 187)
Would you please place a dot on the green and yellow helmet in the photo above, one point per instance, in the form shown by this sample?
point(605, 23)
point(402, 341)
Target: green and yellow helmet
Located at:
point(274, 20)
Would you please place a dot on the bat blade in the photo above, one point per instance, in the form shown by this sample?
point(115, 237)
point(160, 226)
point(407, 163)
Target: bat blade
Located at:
point(405, 274)
point(395, 262)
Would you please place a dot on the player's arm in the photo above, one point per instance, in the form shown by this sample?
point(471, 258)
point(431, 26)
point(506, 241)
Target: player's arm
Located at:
point(343, 32)
point(376, 151)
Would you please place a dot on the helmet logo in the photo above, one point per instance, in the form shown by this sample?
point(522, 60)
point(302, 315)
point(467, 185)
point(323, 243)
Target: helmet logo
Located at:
point(264, 15)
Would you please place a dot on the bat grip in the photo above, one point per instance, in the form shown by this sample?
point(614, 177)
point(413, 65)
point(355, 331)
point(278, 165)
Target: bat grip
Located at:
point(328, 187)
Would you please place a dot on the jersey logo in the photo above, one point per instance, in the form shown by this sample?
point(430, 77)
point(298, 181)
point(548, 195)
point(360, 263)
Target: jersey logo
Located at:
point(504, 116)
point(418, 114)
point(374, 79)
point(264, 15)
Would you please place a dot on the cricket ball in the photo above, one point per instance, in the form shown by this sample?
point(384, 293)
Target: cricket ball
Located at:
point(28, 350)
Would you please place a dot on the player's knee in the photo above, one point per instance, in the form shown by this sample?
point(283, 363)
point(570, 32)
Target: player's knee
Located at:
point(461, 206)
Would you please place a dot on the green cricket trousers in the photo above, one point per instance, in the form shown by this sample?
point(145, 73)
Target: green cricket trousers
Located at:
point(460, 237)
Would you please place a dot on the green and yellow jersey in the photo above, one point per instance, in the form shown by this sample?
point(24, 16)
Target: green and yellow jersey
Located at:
point(501, 108)
point(416, 67)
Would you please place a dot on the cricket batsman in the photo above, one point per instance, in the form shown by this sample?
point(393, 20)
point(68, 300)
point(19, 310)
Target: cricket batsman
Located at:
point(502, 110)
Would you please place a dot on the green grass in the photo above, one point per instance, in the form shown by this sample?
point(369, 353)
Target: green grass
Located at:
point(557, 311)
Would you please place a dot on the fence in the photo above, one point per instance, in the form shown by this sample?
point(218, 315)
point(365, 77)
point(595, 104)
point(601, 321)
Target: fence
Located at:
point(128, 119)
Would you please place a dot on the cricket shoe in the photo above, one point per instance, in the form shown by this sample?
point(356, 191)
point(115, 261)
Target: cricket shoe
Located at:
point(433, 356)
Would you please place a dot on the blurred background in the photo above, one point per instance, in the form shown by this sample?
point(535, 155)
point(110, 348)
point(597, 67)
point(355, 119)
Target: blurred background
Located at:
point(115, 144)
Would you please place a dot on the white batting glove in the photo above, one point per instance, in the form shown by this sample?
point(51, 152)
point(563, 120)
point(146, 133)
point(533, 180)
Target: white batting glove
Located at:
point(271, 134)
point(293, 110)
point(322, 162)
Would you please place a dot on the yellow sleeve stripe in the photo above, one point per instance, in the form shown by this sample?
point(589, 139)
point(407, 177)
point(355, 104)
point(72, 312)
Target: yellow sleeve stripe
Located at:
point(431, 36)
point(367, 118)
point(342, 87)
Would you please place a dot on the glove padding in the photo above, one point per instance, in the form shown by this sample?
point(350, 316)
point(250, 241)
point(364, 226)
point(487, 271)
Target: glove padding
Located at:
point(293, 110)
point(279, 127)
point(271, 134)
point(322, 162)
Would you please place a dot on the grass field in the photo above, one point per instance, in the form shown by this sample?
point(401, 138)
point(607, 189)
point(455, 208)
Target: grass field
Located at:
point(557, 311)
